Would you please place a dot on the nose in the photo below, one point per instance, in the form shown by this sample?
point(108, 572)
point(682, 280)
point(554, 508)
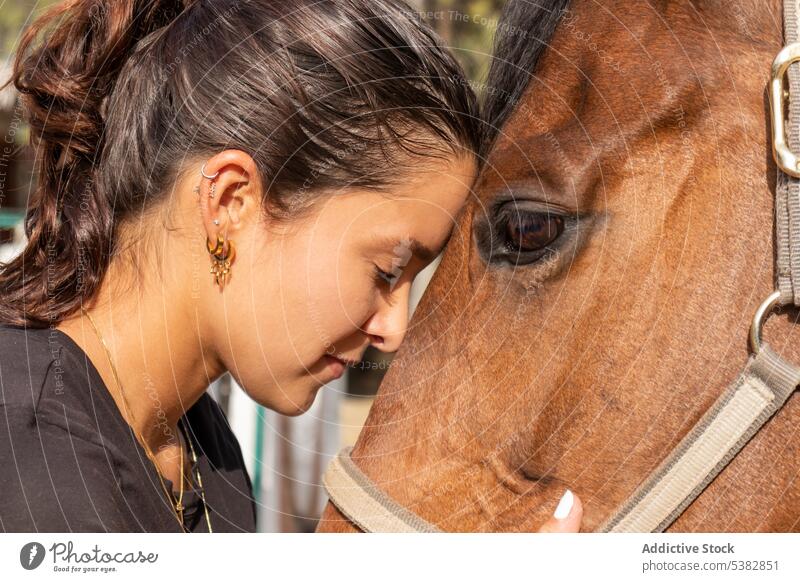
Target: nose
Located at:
point(387, 326)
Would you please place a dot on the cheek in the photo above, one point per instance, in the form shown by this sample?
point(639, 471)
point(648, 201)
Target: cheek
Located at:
point(347, 300)
point(276, 303)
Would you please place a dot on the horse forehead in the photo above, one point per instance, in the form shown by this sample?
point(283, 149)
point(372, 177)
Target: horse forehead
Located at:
point(723, 21)
point(586, 83)
point(575, 100)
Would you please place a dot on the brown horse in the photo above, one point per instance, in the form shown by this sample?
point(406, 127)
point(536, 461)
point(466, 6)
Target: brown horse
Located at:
point(596, 295)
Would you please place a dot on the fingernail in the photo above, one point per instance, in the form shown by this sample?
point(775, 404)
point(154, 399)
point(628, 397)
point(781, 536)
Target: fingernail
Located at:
point(565, 505)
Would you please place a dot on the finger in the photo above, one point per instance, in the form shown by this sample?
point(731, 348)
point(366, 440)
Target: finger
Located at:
point(567, 516)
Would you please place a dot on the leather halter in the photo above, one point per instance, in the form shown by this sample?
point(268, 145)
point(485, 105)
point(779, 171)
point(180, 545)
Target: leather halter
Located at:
point(761, 389)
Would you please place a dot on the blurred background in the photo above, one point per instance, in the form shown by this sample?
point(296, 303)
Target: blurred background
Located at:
point(285, 456)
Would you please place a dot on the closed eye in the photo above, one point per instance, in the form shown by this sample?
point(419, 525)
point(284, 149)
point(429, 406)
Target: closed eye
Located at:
point(382, 276)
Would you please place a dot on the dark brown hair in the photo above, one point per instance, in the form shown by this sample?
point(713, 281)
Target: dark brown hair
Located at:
point(523, 33)
point(120, 94)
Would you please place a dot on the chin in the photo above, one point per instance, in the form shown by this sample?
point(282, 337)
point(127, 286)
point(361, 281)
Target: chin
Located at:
point(296, 406)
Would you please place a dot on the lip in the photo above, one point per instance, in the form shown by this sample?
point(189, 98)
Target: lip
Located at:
point(337, 366)
point(347, 362)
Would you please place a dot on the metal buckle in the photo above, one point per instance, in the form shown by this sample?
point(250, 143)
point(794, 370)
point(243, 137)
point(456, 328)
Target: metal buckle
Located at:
point(762, 313)
point(786, 159)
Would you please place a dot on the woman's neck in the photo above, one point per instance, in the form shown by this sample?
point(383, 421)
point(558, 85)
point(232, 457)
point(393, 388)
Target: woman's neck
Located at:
point(156, 348)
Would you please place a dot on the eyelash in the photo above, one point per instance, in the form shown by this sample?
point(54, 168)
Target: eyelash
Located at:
point(382, 276)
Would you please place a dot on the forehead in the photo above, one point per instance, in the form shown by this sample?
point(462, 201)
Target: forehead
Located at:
point(420, 206)
point(442, 181)
point(443, 184)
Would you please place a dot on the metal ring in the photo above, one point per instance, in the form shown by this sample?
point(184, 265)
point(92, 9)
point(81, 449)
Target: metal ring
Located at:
point(203, 171)
point(759, 318)
point(787, 160)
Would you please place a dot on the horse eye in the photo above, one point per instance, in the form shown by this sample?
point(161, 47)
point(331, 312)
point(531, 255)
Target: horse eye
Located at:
point(532, 231)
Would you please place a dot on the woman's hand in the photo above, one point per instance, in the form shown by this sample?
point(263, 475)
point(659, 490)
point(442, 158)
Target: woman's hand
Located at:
point(567, 516)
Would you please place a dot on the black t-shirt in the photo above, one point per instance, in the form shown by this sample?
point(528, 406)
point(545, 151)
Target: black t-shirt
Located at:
point(69, 462)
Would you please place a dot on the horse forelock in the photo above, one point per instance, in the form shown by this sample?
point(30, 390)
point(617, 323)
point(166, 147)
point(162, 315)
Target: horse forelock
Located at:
point(522, 35)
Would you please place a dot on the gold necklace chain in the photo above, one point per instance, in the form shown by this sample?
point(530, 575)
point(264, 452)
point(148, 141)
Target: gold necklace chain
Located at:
point(197, 476)
point(177, 507)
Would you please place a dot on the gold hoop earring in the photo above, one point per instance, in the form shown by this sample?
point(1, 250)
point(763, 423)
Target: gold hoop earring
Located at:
point(221, 259)
point(215, 250)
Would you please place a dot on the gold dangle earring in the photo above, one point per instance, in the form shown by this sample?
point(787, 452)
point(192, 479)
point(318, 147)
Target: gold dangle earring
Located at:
point(222, 256)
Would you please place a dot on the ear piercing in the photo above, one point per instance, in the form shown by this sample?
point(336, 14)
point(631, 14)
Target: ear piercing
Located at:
point(196, 190)
point(207, 177)
point(203, 171)
point(222, 254)
point(221, 259)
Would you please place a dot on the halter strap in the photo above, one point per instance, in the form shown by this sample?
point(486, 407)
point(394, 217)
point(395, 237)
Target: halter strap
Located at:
point(787, 136)
point(762, 388)
point(361, 501)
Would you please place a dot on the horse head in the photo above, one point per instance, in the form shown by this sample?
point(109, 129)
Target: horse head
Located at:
point(596, 294)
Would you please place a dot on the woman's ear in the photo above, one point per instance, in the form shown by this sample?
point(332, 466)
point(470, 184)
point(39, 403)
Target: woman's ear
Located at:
point(229, 193)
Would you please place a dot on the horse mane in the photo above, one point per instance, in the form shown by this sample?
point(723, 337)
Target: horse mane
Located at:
point(522, 34)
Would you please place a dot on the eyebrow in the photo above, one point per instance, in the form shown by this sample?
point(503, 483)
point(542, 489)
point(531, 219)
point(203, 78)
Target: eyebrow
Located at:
point(419, 249)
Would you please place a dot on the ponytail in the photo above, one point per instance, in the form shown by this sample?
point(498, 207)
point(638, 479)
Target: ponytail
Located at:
point(64, 84)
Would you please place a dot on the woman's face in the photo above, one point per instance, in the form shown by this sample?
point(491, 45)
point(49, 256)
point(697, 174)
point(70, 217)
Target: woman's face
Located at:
point(307, 296)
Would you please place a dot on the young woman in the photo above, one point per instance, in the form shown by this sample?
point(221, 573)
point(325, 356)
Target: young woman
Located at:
point(222, 186)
